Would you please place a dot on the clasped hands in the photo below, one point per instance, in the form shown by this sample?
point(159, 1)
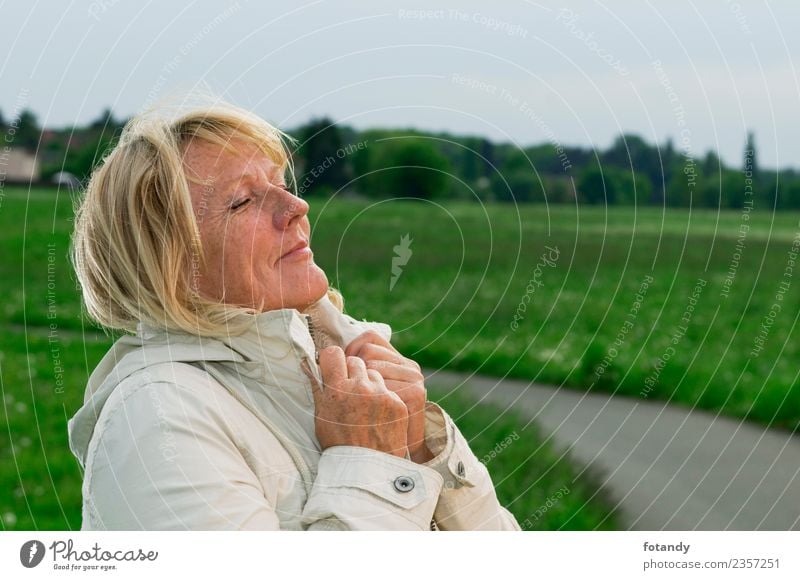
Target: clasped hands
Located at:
point(372, 396)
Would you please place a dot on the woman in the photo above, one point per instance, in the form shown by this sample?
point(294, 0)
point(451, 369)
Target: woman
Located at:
point(243, 397)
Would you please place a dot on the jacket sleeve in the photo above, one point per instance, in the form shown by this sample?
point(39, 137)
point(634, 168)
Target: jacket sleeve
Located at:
point(468, 500)
point(166, 458)
point(363, 489)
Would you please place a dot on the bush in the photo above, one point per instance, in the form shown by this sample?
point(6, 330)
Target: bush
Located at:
point(404, 167)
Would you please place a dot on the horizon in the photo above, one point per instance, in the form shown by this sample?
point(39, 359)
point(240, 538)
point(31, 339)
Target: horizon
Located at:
point(519, 73)
point(659, 146)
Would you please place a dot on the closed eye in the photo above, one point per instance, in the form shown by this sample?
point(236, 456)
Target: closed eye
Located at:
point(240, 203)
point(244, 201)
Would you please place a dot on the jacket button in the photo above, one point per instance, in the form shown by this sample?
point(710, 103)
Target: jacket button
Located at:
point(404, 484)
point(460, 471)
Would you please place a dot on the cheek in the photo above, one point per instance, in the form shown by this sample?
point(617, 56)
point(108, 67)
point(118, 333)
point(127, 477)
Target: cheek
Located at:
point(228, 250)
point(250, 246)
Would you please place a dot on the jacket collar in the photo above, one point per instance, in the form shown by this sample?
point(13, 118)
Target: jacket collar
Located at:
point(275, 332)
point(268, 334)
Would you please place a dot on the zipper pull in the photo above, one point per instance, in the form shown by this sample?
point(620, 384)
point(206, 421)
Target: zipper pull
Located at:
point(306, 368)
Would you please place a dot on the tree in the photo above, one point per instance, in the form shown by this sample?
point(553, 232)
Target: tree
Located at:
point(406, 167)
point(488, 153)
point(470, 160)
point(325, 161)
point(558, 190)
point(696, 182)
point(631, 187)
point(26, 130)
point(475, 162)
point(730, 187)
point(595, 187)
point(105, 121)
point(524, 187)
point(750, 156)
point(711, 163)
point(81, 162)
point(668, 157)
point(790, 194)
point(516, 160)
point(633, 153)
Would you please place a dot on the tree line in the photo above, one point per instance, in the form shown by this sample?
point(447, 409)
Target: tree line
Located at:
point(332, 159)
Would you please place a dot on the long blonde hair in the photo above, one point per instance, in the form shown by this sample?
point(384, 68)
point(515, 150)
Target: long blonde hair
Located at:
point(136, 240)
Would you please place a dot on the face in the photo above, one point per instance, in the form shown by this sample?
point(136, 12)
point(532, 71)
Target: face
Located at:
point(249, 226)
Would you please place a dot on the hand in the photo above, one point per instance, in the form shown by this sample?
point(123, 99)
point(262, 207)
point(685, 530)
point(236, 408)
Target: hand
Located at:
point(354, 406)
point(402, 376)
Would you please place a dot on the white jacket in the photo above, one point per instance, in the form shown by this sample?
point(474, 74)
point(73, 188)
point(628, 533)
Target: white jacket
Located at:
point(179, 432)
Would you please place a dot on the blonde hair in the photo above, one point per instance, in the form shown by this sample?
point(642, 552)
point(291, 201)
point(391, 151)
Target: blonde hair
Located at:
point(136, 244)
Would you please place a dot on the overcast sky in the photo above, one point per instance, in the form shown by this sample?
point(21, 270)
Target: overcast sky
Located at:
point(580, 73)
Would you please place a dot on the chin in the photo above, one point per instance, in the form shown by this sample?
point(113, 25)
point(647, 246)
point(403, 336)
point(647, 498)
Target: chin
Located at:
point(313, 288)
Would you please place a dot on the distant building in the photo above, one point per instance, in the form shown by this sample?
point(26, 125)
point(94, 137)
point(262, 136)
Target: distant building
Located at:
point(18, 165)
point(67, 180)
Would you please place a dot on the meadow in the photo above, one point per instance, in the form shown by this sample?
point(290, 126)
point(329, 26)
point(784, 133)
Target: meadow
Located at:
point(48, 349)
point(698, 308)
point(695, 307)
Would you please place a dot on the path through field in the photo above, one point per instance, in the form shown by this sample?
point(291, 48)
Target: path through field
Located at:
point(668, 467)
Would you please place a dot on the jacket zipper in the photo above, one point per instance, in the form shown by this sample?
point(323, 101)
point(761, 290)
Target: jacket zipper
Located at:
point(312, 331)
point(304, 364)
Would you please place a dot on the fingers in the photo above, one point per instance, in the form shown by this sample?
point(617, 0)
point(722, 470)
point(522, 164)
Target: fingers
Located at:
point(356, 369)
point(376, 378)
point(396, 371)
point(333, 366)
point(379, 354)
point(397, 398)
point(368, 337)
point(359, 371)
point(370, 352)
point(316, 388)
point(402, 387)
point(374, 351)
point(413, 396)
point(337, 369)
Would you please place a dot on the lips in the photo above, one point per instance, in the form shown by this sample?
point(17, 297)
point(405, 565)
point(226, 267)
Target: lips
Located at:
point(299, 246)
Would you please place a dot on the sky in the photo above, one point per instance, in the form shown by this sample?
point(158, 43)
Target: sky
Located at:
point(702, 73)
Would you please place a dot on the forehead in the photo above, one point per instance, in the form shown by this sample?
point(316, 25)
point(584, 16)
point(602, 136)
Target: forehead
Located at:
point(210, 165)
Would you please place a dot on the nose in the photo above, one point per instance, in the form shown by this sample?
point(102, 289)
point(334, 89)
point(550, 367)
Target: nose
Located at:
point(289, 209)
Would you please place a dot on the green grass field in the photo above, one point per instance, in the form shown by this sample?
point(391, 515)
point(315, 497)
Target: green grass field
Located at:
point(669, 304)
point(47, 352)
point(675, 305)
